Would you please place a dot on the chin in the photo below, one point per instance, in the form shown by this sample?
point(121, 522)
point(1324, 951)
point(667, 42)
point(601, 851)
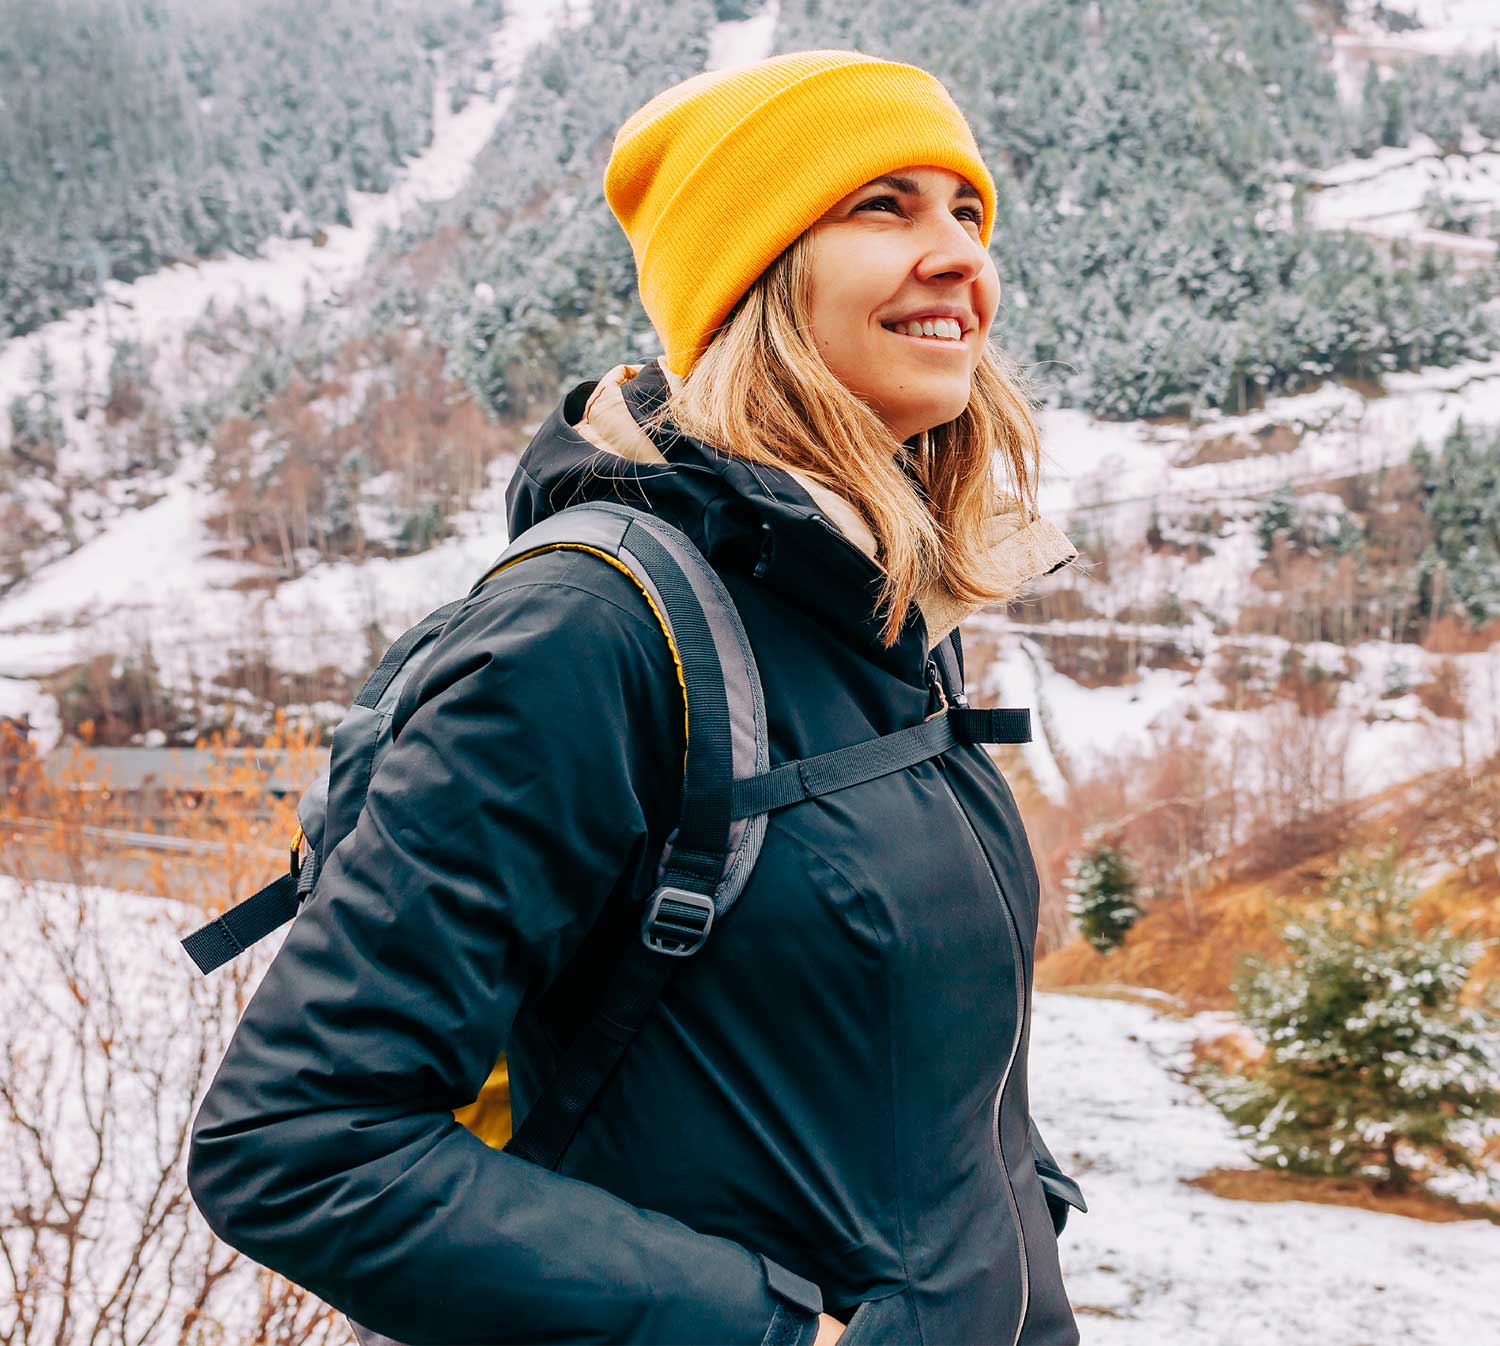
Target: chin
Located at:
point(930, 415)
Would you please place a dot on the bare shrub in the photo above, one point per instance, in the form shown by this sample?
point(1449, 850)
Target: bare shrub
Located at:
point(1443, 693)
point(1458, 804)
point(1173, 807)
point(1115, 658)
point(292, 479)
point(1452, 633)
point(1297, 800)
point(108, 1040)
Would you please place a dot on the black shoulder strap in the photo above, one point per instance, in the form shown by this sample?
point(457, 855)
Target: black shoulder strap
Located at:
point(719, 794)
point(950, 656)
point(713, 848)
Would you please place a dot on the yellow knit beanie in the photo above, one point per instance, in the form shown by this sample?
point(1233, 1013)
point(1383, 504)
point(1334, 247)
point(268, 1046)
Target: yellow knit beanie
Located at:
point(716, 176)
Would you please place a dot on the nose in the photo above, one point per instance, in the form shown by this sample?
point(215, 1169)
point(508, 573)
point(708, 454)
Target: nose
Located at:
point(950, 251)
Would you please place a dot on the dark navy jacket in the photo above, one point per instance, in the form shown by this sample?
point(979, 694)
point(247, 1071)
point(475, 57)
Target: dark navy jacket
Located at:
point(828, 1106)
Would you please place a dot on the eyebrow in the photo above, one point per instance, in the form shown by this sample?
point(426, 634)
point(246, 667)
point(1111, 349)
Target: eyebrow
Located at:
point(910, 187)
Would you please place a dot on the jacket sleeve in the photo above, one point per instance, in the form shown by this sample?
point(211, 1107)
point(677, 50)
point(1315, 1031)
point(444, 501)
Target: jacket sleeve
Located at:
point(534, 777)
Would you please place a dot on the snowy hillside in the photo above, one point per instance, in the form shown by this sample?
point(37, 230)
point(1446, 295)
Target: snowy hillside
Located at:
point(158, 312)
point(1167, 512)
point(1114, 479)
point(153, 572)
point(1439, 27)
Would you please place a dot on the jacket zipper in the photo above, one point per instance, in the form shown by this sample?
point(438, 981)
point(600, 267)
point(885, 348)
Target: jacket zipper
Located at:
point(935, 680)
point(831, 527)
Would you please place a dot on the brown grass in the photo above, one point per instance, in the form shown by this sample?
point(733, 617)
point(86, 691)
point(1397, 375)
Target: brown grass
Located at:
point(1265, 1184)
point(1191, 948)
point(1451, 634)
point(1268, 440)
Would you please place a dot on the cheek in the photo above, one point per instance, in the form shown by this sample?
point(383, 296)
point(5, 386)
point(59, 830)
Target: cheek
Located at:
point(850, 281)
point(840, 317)
point(990, 289)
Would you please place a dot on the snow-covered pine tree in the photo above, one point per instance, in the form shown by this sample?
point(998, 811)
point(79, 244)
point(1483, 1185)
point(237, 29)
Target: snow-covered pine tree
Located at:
point(1371, 1061)
point(1278, 518)
point(1460, 494)
point(1103, 897)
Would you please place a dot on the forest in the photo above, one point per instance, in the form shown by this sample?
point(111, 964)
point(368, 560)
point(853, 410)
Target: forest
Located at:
point(136, 133)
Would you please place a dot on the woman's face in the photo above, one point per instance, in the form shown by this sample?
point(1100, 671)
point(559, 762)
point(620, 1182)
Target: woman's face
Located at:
point(903, 246)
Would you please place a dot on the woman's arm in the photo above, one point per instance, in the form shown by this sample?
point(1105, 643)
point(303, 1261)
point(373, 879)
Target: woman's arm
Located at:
point(535, 776)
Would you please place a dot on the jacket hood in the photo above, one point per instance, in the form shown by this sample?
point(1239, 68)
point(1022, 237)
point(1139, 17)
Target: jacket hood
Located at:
point(790, 528)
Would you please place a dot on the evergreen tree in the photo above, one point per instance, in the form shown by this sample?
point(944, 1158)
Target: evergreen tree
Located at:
point(1369, 1056)
point(1277, 519)
point(138, 132)
point(1103, 897)
point(1460, 494)
point(36, 427)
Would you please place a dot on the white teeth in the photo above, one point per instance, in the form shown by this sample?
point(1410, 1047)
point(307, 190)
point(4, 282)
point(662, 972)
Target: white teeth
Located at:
point(940, 328)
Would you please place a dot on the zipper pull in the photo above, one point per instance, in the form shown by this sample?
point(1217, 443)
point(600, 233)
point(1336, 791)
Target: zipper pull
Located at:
point(767, 550)
point(935, 683)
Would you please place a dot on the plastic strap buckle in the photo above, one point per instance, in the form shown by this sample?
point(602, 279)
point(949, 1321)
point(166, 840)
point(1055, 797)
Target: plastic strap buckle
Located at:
point(677, 922)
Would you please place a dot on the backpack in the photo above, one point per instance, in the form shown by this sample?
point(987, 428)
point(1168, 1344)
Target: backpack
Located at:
point(729, 787)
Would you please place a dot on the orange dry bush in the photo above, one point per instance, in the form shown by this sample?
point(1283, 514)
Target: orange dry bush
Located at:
point(1235, 1052)
point(1453, 634)
point(1190, 955)
point(1190, 948)
point(1469, 907)
point(109, 1037)
point(64, 820)
point(243, 829)
point(50, 819)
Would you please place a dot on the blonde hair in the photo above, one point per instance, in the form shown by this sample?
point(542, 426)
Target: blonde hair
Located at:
point(762, 392)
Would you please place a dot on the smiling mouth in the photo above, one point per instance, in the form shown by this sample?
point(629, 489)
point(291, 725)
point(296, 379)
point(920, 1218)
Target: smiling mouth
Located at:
point(955, 343)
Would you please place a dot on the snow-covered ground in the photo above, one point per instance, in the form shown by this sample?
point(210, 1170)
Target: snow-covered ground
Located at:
point(1448, 27)
point(736, 42)
point(1389, 738)
point(1383, 196)
point(1114, 474)
point(109, 1038)
point(1106, 480)
point(1155, 1261)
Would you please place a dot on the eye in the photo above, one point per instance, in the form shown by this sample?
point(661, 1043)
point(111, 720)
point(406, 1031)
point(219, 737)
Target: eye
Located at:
point(974, 213)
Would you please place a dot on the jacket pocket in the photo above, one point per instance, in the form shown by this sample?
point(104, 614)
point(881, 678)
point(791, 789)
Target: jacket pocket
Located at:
point(887, 1321)
point(1061, 1192)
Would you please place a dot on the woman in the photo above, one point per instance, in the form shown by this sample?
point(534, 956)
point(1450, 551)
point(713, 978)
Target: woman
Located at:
point(825, 1119)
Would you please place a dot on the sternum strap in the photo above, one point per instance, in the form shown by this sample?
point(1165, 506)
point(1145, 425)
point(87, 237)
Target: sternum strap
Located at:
point(792, 782)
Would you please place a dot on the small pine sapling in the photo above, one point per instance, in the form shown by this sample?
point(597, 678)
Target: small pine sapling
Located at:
point(1103, 897)
point(1370, 1060)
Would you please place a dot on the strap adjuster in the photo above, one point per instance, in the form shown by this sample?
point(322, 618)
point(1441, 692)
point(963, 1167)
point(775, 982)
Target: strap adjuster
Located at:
point(677, 922)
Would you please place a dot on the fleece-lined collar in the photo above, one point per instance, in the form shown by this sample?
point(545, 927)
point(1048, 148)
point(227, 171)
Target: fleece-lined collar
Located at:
point(1021, 549)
